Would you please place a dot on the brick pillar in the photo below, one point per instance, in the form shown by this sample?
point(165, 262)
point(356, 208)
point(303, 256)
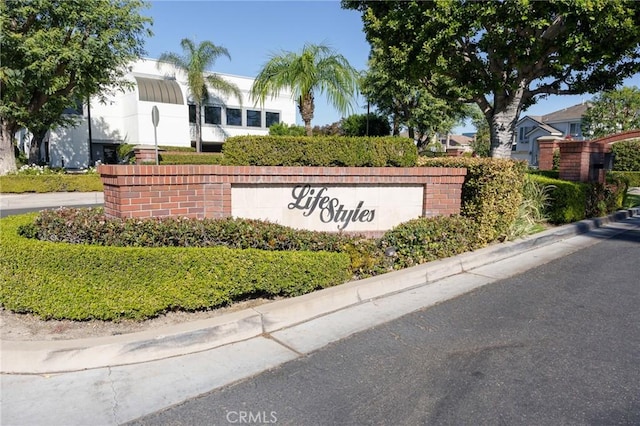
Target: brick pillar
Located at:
point(546, 147)
point(145, 154)
point(582, 161)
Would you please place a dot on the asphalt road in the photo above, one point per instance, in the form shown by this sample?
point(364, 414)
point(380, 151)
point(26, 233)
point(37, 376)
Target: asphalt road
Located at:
point(557, 345)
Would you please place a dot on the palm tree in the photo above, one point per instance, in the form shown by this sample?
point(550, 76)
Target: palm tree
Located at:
point(194, 61)
point(316, 68)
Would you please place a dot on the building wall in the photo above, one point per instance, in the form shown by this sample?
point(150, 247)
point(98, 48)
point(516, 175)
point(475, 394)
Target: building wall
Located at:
point(123, 118)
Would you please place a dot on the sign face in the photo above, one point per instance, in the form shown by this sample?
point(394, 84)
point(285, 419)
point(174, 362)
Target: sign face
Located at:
point(362, 208)
point(155, 116)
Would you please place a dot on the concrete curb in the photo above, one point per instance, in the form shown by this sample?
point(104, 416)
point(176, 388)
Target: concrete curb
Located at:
point(37, 357)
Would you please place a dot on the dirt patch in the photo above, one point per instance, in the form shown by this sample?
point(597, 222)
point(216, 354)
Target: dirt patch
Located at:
point(29, 327)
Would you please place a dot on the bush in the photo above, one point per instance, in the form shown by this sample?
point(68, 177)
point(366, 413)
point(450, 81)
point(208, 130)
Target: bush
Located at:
point(50, 183)
point(426, 239)
point(190, 158)
point(319, 151)
point(568, 200)
point(491, 193)
point(627, 156)
point(631, 178)
point(82, 282)
point(282, 129)
point(91, 226)
point(553, 174)
point(606, 198)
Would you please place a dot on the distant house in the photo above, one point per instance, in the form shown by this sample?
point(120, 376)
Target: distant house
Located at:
point(126, 118)
point(565, 123)
point(458, 142)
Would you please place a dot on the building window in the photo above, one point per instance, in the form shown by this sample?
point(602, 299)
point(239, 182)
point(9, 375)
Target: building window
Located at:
point(254, 118)
point(212, 114)
point(271, 118)
point(522, 137)
point(192, 113)
point(574, 129)
point(234, 117)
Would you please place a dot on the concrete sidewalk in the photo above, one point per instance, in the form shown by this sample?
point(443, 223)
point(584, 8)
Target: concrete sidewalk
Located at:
point(49, 199)
point(115, 379)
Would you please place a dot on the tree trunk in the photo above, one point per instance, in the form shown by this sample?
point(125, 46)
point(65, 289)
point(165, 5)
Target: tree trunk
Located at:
point(502, 120)
point(198, 129)
point(7, 150)
point(306, 108)
point(35, 148)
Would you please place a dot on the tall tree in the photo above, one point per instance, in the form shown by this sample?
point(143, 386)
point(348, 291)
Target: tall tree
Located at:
point(408, 102)
point(56, 52)
point(366, 125)
point(505, 55)
point(481, 144)
point(194, 62)
point(612, 112)
point(317, 69)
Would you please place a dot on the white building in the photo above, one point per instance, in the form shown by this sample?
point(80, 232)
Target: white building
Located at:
point(126, 117)
point(565, 123)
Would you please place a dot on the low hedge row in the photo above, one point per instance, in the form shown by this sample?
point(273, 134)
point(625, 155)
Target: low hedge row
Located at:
point(491, 193)
point(50, 183)
point(82, 282)
point(568, 200)
point(320, 151)
point(627, 156)
point(91, 226)
point(426, 239)
point(190, 158)
point(574, 201)
point(632, 178)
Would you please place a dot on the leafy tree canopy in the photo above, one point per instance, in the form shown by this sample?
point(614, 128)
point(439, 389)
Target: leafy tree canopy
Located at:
point(316, 69)
point(56, 52)
point(194, 62)
point(505, 55)
point(366, 125)
point(408, 101)
point(612, 112)
point(282, 129)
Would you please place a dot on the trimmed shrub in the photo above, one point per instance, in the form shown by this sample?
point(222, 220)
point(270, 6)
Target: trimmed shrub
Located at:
point(319, 151)
point(425, 239)
point(82, 282)
point(603, 199)
point(553, 174)
point(91, 226)
point(491, 193)
point(627, 156)
point(190, 158)
point(631, 178)
point(568, 200)
point(50, 183)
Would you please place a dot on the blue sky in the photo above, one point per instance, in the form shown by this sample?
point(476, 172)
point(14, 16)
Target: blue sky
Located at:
point(252, 30)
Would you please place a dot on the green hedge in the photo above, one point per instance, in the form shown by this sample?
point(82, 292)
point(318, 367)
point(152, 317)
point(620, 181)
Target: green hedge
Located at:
point(91, 226)
point(632, 178)
point(190, 158)
point(426, 239)
point(81, 282)
point(568, 200)
point(627, 156)
point(491, 193)
point(50, 183)
point(553, 174)
point(319, 151)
